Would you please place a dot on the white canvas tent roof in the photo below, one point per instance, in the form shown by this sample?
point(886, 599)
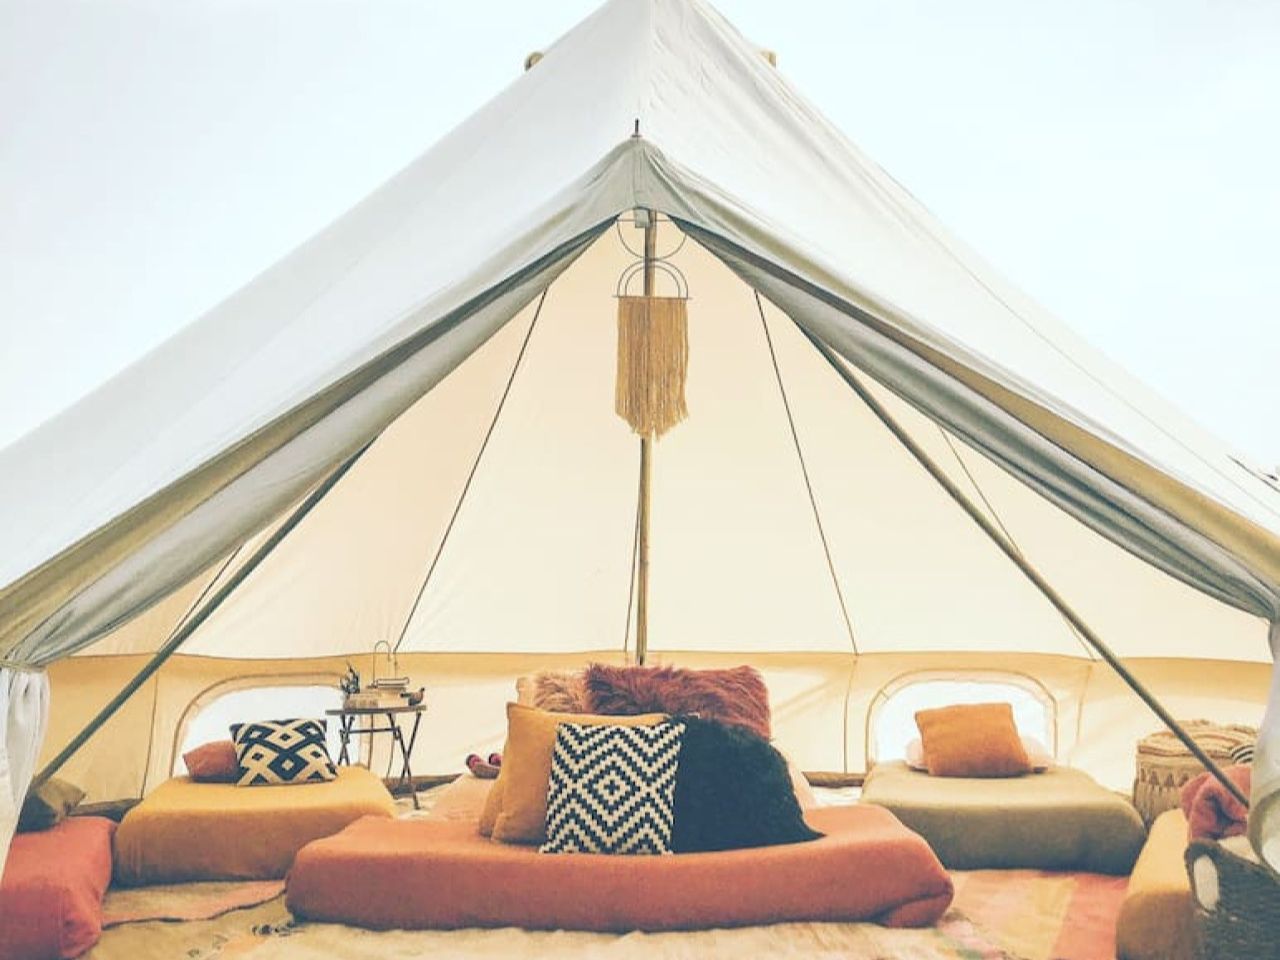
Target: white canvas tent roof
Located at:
point(470, 297)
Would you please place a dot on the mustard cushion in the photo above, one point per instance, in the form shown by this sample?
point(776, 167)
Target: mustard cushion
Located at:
point(1157, 919)
point(972, 740)
point(518, 801)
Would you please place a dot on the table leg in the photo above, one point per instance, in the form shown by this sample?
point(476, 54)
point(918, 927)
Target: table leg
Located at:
point(406, 772)
point(344, 733)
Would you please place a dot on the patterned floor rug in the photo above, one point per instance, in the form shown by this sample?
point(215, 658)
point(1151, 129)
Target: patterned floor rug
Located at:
point(185, 901)
point(998, 915)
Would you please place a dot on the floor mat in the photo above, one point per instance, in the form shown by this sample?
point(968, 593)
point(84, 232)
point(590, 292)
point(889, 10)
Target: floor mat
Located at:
point(266, 933)
point(1041, 915)
point(185, 901)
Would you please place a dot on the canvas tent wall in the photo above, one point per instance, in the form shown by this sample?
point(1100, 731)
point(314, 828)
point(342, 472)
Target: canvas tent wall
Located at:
point(404, 323)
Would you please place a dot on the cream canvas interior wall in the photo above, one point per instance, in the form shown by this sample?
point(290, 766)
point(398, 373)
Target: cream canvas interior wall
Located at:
point(490, 531)
point(1099, 719)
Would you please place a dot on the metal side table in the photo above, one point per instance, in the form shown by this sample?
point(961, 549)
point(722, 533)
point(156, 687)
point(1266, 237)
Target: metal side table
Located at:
point(349, 726)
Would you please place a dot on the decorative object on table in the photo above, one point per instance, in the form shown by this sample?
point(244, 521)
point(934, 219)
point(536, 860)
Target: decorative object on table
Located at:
point(612, 789)
point(1236, 900)
point(384, 691)
point(414, 697)
point(350, 682)
point(1165, 764)
point(214, 762)
point(275, 752)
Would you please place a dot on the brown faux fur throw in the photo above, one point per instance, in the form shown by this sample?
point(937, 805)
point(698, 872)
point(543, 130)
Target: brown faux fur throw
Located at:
point(737, 697)
point(559, 691)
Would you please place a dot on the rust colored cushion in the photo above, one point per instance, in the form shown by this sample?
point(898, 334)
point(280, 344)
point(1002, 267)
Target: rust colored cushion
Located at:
point(422, 874)
point(972, 740)
point(213, 762)
point(516, 810)
point(737, 697)
point(52, 889)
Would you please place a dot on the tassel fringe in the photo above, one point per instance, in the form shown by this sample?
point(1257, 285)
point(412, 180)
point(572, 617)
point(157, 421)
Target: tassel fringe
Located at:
point(653, 363)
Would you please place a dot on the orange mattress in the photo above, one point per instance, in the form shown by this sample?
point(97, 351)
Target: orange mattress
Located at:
point(442, 874)
point(52, 889)
point(217, 831)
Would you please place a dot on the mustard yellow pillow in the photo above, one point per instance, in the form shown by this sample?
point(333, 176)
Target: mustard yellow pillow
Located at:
point(520, 807)
point(493, 803)
point(972, 740)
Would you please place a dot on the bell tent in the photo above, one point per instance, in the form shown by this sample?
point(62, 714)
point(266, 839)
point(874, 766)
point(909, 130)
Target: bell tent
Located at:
point(893, 465)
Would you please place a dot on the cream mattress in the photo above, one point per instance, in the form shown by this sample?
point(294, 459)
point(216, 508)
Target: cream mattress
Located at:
point(1059, 820)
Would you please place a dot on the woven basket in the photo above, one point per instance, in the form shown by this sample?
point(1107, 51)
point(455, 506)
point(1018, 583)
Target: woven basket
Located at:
point(1236, 902)
point(1164, 764)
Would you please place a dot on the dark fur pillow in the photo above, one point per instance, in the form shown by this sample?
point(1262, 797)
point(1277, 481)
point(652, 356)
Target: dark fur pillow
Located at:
point(737, 697)
point(732, 791)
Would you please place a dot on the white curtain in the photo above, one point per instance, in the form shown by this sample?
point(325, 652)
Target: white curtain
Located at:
point(24, 715)
point(1264, 812)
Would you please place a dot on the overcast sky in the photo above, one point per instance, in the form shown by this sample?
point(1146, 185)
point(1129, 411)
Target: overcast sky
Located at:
point(1118, 159)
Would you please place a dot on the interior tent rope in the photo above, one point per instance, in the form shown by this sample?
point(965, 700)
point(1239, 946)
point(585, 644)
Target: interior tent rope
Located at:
point(995, 516)
point(475, 466)
point(1032, 574)
point(631, 580)
point(193, 623)
point(804, 471)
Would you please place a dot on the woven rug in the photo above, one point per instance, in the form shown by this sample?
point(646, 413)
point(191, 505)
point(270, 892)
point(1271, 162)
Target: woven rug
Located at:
point(266, 933)
point(185, 901)
point(1038, 915)
point(997, 915)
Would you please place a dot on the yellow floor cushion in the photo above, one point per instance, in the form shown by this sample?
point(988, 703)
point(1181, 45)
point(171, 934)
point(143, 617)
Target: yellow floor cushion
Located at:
point(218, 831)
point(1156, 920)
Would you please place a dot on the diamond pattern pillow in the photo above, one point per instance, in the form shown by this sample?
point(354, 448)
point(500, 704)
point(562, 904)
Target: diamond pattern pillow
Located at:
point(282, 751)
point(612, 788)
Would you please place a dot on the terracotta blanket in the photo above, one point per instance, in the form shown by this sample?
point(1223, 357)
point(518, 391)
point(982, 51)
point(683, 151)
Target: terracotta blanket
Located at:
point(442, 874)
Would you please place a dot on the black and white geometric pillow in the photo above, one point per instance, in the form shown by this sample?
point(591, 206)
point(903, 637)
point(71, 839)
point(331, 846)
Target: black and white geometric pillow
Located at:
point(611, 788)
point(282, 751)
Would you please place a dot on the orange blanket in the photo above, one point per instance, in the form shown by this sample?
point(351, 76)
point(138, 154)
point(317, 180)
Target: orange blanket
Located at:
point(443, 874)
point(218, 831)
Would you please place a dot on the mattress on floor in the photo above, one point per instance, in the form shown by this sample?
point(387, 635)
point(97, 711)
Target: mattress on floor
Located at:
point(1157, 919)
point(1058, 820)
point(423, 874)
point(218, 831)
point(52, 889)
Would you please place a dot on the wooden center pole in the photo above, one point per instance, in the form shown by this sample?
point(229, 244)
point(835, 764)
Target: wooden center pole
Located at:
point(646, 468)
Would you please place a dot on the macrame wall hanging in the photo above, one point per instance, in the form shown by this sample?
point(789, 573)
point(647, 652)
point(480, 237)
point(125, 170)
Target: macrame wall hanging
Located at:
point(653, 338)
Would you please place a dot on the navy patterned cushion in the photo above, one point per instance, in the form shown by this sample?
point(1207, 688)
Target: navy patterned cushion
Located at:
point(282, 751)
point(611, 789)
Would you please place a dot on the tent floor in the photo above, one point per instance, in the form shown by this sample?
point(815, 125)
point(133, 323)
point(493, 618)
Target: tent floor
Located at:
point(1028, 914)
